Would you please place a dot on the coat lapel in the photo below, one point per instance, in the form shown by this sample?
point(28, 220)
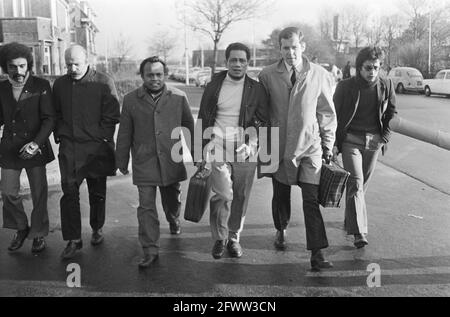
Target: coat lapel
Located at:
point(164, 98)
point(146, 97)
point(26, 94)
point(284, 74)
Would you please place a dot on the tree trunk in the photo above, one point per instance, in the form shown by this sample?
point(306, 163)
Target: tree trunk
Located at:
point(215, 57)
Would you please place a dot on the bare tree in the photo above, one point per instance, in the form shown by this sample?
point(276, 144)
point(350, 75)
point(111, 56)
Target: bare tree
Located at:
point(122, 50)
point(392, 28)
point(214, 17)
point(162, 44)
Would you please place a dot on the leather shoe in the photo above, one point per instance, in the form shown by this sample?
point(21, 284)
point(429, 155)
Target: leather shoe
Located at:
point(360, 241)
point(38, 245)
point(234, 249)
point(19, 239)
point(175, 228)
point(71, 249)
point(280, 240)
point(147, 260)
point(97, 237)
point(219, 249)
point(318, 261)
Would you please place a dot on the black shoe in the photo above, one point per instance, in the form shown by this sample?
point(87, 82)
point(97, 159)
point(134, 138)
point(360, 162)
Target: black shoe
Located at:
point(234, 249)
point(97, 237)
point(19, 239)
point(38, 245)
point(147, 260)
point(219, 249)
point(71, 249)
point(175, 228)
point(318, 261)
point(360, 241)
point(280, 240)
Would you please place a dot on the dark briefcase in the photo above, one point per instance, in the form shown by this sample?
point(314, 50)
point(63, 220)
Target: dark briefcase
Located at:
point(198, 195)
point(332, 185)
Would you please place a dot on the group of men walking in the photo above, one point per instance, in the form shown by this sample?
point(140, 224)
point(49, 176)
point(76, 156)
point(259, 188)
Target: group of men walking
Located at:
point(293, 96)
point(81, 111)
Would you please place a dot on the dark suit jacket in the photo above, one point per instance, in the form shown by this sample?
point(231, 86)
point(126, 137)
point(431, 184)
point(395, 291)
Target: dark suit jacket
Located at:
point(32, 118)
point(346, 101)
point(254, 105)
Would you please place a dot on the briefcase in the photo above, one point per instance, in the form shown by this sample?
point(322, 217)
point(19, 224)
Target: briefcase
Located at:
point(198, 195)
point(333, 180)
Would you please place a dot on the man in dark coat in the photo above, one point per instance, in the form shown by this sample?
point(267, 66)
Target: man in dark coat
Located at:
point(232, 102)
point(87, 110)
point(28, 116)
point(149, 115)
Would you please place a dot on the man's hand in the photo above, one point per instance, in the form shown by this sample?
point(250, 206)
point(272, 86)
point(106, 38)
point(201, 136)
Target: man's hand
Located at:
point(327, 155)
point(124, 171)
point(29, 150)
point(335, 153)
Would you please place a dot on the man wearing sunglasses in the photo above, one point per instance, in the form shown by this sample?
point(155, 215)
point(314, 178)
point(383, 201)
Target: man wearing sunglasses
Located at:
point(364, 105)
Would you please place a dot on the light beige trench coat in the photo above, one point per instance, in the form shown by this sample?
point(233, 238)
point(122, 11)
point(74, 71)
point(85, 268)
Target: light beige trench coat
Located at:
point(304, 114)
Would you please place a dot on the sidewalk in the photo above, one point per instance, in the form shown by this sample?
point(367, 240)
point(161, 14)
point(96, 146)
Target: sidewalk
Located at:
point(408, 236)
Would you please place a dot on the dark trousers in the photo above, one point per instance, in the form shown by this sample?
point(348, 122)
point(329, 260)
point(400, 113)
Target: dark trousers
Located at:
point(14, 216)
point(316, 237)
point(147, 213)
point(70, 206)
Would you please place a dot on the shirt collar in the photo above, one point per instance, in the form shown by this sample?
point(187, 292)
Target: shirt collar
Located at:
point(289, 67)
point(231, 80)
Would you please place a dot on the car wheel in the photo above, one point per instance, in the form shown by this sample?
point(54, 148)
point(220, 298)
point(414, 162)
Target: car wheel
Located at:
point(400, 88)
point(427, 91)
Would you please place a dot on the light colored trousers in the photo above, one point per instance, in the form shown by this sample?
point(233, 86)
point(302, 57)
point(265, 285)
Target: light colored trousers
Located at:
point(359, 155)
point(231, 184)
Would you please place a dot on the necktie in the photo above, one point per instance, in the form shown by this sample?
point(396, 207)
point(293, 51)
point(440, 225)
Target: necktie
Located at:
point(294, 76)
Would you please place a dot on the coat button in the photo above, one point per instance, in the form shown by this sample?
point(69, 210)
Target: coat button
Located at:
point(14, 121)
point(14, 134)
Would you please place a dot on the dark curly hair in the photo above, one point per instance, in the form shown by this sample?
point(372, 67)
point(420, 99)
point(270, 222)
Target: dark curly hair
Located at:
point(369, 53)
point(12, 51)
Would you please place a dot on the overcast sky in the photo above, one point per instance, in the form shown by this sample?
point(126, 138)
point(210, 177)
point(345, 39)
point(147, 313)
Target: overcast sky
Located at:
point(140, 19)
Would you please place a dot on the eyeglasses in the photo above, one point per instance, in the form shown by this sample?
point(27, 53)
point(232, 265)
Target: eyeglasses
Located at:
point(369, 68)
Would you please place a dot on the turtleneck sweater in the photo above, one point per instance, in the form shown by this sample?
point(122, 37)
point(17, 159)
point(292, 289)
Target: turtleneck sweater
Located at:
point(18, 87)
point(366, 117)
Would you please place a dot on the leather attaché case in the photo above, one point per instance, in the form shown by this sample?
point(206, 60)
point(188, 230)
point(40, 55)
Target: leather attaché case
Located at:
point(198, 195)
point(333, 180)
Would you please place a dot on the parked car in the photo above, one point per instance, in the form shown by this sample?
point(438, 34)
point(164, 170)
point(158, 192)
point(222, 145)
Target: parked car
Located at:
point(203, 77)
point(440, 85)
point(406, 79)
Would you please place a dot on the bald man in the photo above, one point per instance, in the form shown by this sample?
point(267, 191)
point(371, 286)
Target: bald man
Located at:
point(87, 110)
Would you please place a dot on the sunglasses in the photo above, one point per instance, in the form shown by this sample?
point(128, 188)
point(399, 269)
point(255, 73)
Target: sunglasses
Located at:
point(369, 68)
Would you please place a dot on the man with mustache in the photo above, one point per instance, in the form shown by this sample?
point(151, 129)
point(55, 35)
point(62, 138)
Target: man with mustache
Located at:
point(87, 110)
point(28, 117)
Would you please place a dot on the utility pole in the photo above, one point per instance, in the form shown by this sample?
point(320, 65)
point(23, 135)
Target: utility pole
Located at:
point(186, 53)
point(429, 45)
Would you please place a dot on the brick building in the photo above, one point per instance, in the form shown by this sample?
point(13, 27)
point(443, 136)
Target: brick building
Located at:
point(48, 27)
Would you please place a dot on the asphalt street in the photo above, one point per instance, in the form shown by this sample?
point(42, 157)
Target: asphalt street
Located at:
point(409, 242)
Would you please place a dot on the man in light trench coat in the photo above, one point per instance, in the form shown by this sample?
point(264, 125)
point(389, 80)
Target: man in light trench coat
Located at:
point(301, 106)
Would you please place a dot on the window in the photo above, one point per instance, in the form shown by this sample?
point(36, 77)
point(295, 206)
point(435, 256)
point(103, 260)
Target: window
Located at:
point(398, 73)
point(447, 76)
point(440, 75)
